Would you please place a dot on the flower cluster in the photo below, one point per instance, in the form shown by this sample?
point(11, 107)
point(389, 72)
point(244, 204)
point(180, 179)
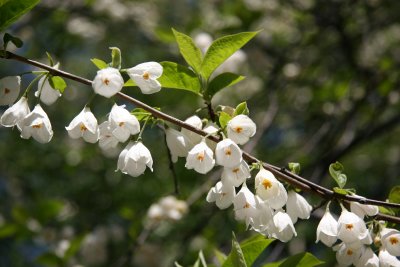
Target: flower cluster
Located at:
point(355, 238)
point(166, 209)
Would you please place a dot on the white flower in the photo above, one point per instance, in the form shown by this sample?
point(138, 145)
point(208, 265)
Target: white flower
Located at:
point(236, 175)
point(178, 144)
point(211, 129)
point(387, 260)
point(9, 89)
point(200, 158)
point(228, 154)
point(327, 229)
point(222, 194)
point(346, 255)
point(352, 229)
point(134, 159)
point(245, 205)
point(390, 239)
point(122, 123)
point(37, 125)
point(368, 259)
point(262, 219)
point(361, 210)
point(108, 82)
point(196, 122)
point(297, 207)
point(270, 189)
point(48, 95)
point(16, 113)
point(84, 125)
point(145, 76)
point(283, 228)
point(106, 139)
point(240, 129)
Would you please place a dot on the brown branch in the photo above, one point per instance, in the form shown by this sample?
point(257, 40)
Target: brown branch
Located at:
point(281, 173)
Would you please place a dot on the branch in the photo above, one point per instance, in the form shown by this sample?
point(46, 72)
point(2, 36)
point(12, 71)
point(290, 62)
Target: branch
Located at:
point(281, 173)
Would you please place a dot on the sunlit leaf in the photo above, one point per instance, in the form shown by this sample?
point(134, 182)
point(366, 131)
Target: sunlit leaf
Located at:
point(236, 257)
point(294, 167)
point(241, 109)
point(394, 195)
point(224, 118)
point(336, 171)
point(11, 11)
point(303, 259)
point(115, 57)
point(221, 49)
point(190, 52)
point(100, 64)
point(57, 83)
point(220, 82)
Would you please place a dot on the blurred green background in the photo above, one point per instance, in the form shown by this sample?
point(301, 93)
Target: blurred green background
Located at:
point(322, 85)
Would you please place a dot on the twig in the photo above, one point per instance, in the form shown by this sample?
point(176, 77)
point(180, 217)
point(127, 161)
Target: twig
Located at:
point(281, 173)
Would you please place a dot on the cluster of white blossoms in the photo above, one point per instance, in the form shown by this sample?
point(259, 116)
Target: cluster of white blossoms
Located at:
point(355, 238)
point(263, 211)
point(119, 127)
point(168, 208)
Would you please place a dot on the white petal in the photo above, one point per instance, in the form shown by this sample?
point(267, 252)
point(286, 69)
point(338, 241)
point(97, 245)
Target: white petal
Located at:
point(9, 89)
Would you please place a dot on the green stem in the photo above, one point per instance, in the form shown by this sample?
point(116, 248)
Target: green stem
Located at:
point(28, 89)
point(142, 130)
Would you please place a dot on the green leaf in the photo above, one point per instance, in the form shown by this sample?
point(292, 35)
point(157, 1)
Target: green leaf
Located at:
point(179, 77)
point(222, 81)
point(202, 259)
point(224, 118)
point(115, 57)
point(140, 114)
point(386, 210)
point(303, 259)
point(394, 195)
point(253, 247)
point(340, 191)
point(221, 49)
point(100, 64)
point(190, 52)
point(10, 11)
point(336, 170)
point(74, 247)
point(9, 38)
point(241, 109)
point(49, 259)
point(177, 264)
point(221, 257)
point(57, 83)
point(236, 257)
point(8, 230)
point(294, 167)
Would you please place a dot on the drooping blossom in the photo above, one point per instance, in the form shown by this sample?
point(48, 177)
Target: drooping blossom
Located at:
point(134, 159)
point(270, 189)
point(327, 229)
point(16, 113)
point(108, 82)
point(84, 125)
point(9, 89)
point(200, 158)
point(122, 123)
point(297, 206)
point(178, 144)
point(240, 128)
point(36, 125)
point(145, 76)
point(228, 154)
point(236, 175)
point(222, 194)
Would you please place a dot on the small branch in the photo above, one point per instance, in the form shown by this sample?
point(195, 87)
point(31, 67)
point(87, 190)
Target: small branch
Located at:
point(281, 173)
point(172, 167)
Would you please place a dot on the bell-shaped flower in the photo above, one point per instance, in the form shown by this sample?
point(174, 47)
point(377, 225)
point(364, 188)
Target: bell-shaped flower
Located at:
point(345, 255)
point(297, 206)
point(390, 239)
point(37, 125)
point(178, 144)
point(106, 138)
point(352, 229)
point(270, 189)
point(261, 221)
point(361, 209)
point(84, 125)
point(228, 154)
point(9, 89)
point(108, 82)
point(327, 229)
point(16, 113)
point(47, 94)
point(244, 205)
point(122, 123)
point(134, 159)
point(200, 158)
point(222, 194)
point(387, 260)
point(211, 129)
point(145, 76)
point(283, 228)
point(368, 258)
point(196, 122)
point(236, 175)
point(240, 128)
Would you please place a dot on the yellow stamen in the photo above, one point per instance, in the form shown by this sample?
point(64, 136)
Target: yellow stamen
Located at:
point(83, 127)
point(246, 206)
point(106, 81)
point(228, 151)
point(235, 170)
point(200, 156)
point(146, 75)
point(393, 240)
point(239, 129)
point(349, 226)
point(349, 252)
point(121, 124)
point(6, 90)
point(266, 183)
point(37, 126)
